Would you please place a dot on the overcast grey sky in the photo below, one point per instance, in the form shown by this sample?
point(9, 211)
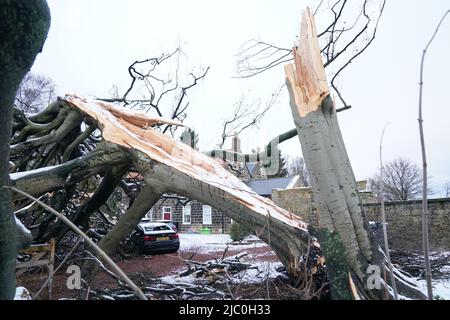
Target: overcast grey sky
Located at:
point(92, 43)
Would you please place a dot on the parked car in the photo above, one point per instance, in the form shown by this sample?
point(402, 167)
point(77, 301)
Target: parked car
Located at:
point(155, 236)
point(170, 223)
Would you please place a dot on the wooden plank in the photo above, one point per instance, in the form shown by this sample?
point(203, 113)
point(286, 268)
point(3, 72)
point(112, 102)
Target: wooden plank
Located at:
point(36, 248)
point(31, 263)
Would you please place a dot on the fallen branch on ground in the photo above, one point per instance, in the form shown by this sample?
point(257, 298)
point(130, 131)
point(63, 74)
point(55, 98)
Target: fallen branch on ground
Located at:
point(217, 268)
point(103, 256)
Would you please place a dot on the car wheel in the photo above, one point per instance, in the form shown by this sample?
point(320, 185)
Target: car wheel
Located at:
point(130, 247)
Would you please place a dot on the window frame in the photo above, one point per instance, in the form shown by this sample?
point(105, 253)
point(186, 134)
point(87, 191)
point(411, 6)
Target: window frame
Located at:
point(185, 215)
point(210, 215)
point(163, 211)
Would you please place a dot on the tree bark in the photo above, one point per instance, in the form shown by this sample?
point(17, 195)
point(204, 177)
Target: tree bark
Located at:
point(23, 30)
point(342, 219)
point(172, 166)
point(39, 181)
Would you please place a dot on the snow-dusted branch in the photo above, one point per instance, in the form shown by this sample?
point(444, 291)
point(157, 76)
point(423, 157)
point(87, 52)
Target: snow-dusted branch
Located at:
point(102, 255)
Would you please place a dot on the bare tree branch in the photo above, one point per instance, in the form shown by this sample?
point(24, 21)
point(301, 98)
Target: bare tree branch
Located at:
point(245, 116)
point(344, 39)
point(157, 86)
point(35, 92)
point(383, 219)
point(425, 238)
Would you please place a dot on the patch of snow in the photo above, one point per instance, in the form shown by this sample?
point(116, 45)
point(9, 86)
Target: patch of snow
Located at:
point(441, 288)
point(211, 243)
point(439, 255)
point(251, 237)
point(445, 269)
point(259, 271)
point(21, 226)
point(22, 294)
point(176, 280)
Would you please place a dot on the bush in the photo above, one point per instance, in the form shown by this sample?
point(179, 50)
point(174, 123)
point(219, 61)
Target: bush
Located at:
point(238, 232)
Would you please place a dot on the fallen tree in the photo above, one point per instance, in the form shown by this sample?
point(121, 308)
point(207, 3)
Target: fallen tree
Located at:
point(130, 144)
point(166, 165)
point(58, 151)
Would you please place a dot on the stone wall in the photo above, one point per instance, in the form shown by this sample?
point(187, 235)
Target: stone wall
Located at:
point(404, 221)
point(403, 218)
point(295, 200)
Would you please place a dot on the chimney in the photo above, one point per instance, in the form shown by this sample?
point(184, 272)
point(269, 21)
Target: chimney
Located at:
point(362, 185)
point(236, 144)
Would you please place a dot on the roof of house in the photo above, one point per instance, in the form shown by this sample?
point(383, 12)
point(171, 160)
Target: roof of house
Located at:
point(251, 167)
point(264, 187)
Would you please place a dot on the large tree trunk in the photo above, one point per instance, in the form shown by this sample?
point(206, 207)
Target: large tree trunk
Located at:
point(23, 28)
point(171, 166)
point(343, 228)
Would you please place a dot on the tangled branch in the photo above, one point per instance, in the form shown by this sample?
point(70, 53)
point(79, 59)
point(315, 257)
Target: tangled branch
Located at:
point(343, 40)
point(157, 86)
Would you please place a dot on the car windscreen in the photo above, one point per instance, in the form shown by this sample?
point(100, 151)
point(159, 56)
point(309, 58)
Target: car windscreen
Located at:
point(157, 228)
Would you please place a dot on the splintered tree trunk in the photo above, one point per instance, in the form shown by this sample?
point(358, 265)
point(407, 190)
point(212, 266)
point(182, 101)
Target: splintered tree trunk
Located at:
point(23, 29)
point(171, 166)
point(343, 229)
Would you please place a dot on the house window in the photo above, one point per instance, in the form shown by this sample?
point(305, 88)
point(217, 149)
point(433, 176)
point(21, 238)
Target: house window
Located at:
point(207, 215)
point(167, 213)
point(187, 215)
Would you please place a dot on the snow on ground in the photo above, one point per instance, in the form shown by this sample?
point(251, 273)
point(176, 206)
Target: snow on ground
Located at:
point(441, 288)
point(22, 294)
point(213, 242)
point(205, 243)
point(260, 271)
point(257, 273)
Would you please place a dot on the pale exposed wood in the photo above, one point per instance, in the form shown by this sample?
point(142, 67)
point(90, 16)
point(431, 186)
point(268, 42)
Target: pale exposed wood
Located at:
point(308, 77)
point(353, 288)
point(335, 189)
point(163, 149)
point(323, 148)
point(171, 166)
point(138, 119)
